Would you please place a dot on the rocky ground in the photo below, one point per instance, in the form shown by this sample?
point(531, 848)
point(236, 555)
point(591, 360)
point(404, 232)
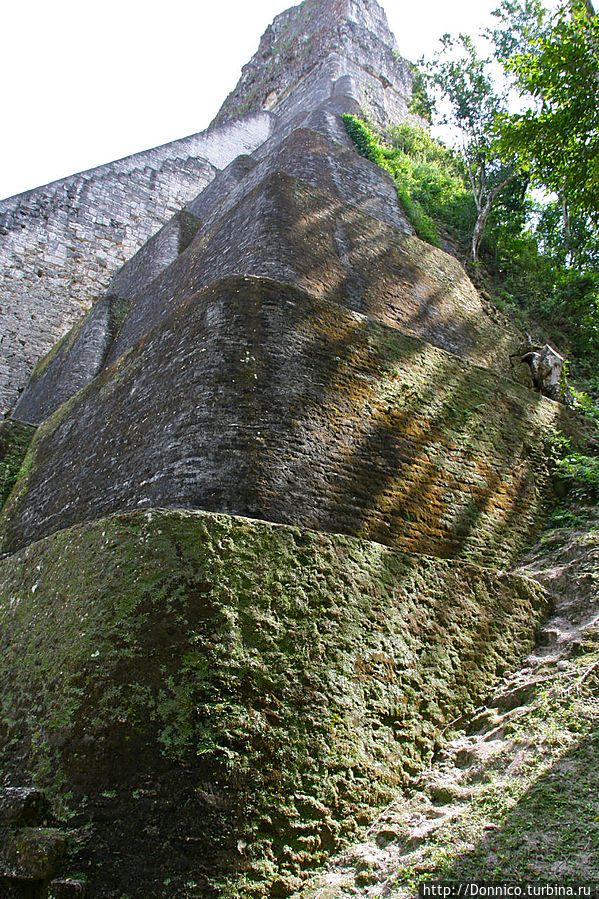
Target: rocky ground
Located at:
point(514, 793)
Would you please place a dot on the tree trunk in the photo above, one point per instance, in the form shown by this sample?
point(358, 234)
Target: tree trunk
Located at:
point(483, 215)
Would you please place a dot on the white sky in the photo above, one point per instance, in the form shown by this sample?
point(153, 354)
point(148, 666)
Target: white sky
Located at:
point(84, 82)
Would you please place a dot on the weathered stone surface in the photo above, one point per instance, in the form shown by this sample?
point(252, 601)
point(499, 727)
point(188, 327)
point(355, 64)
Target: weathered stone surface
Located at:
point(229, 695)
point(258, 399)
point(221, 682)
point(326, 118)
point(312, 157)
point(60, 244)
point(289, 230)
point(311, 213)
point(67, 889)
point(309, 47)
point(20, 806)
point(75, 360)
point(63, 242)
point(155, 255)
point(31, 853)
point(70, 365)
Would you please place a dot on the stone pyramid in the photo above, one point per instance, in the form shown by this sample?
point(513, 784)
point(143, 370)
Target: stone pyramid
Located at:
point(254, 549)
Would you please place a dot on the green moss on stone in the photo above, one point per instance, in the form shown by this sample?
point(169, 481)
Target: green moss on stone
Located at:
point(15, 437)
point(189, 227)
point(119, 309)
point(267, 687)
point(401, 442)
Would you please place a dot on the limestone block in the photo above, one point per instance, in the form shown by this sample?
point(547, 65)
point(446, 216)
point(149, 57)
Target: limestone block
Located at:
point(20, 806)
point(31, 853)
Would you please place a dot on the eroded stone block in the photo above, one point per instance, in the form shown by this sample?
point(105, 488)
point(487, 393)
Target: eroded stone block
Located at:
point(20, 806)
point(31, 853)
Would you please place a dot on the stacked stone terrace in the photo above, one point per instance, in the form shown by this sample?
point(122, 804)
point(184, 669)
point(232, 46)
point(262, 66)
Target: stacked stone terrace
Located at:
point(226, 697)
point(285, 342)
point(61, 243)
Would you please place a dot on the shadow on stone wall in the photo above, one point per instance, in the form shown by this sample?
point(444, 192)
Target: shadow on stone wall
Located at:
point(255, 398)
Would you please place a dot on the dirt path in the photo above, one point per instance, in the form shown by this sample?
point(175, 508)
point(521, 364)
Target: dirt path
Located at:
point(514, 794)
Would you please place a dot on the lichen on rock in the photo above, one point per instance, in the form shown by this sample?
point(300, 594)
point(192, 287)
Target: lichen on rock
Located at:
point(270, 685)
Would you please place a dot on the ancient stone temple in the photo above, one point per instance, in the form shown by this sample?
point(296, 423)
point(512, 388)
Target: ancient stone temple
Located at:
point(277, 464)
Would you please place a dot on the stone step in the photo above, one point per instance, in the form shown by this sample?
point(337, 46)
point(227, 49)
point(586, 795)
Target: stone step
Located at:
point(259, 399)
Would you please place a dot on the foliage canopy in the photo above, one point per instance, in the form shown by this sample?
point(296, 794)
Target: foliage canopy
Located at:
point(557, 138)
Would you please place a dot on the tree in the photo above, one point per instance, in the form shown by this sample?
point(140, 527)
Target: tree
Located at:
point(521, 24)
point(557, 138)
point(469, 102)
point(544, 243)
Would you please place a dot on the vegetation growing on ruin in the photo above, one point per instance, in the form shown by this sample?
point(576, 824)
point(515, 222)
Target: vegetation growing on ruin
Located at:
point(524, 279)
point(15, 437)
point(537, 251)
point(535, 814)
point(518, 266)
point(409, 172)
point(525, 812)
point(512, 793)
point(525, 102)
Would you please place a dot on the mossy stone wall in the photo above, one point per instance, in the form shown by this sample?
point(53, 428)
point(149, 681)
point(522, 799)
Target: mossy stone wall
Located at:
point(230, 698)
point(302, 231)
point(258, 399)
